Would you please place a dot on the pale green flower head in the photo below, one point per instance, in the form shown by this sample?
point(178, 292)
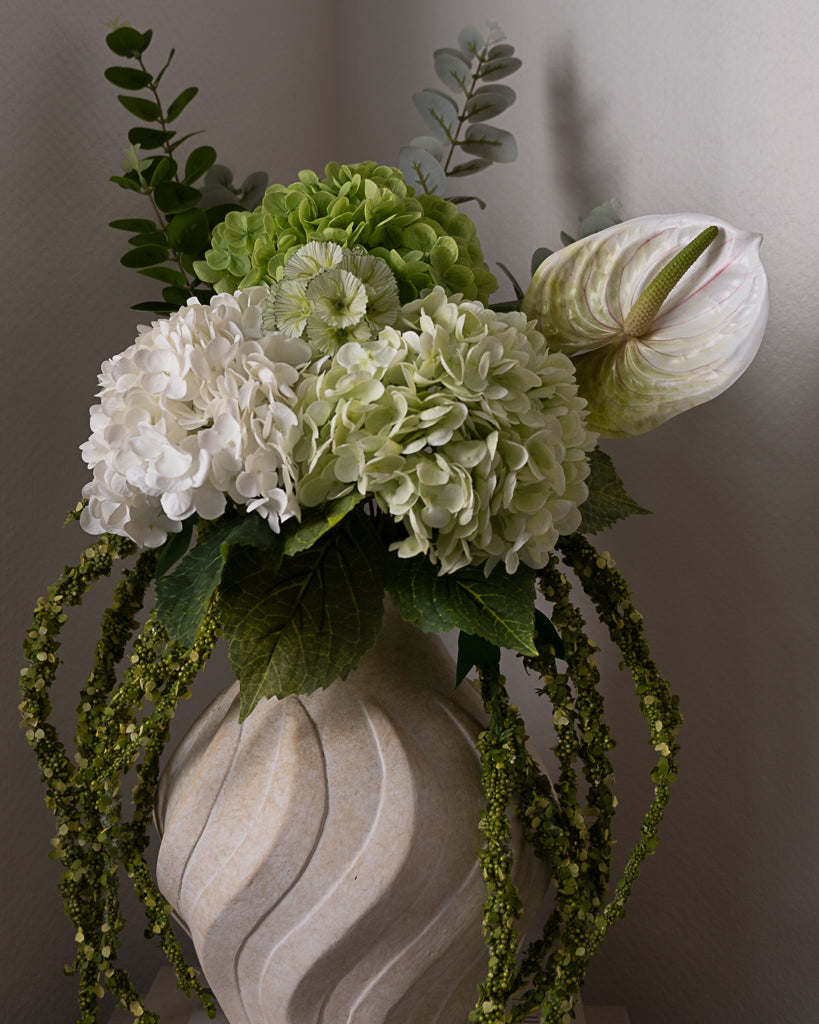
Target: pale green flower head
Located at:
point(638, 367)
point(331, 296)
point(460, 423)
point(425, 240)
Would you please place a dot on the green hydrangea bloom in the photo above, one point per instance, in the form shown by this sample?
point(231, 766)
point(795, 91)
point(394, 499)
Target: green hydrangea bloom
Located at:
point(424, 239)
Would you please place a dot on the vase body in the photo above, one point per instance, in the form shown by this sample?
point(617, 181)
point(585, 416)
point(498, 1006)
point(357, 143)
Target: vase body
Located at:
point(322, 854)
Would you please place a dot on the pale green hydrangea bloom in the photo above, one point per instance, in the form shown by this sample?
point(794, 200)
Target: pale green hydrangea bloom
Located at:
point(461, 425)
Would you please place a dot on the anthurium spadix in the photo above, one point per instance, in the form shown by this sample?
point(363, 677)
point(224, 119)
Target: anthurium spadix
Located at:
point(659, 314)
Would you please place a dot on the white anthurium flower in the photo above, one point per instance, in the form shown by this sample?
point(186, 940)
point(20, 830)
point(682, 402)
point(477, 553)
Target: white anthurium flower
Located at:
point(644, 354)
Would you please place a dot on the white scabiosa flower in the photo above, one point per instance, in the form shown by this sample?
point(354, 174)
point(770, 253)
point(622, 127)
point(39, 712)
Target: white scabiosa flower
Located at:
point(199, 409)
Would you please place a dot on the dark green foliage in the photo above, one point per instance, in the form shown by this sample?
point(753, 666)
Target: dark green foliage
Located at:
point(607, 501)
point(180, 230)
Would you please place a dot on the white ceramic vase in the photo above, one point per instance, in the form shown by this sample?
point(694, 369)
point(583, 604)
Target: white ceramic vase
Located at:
point(323, 853)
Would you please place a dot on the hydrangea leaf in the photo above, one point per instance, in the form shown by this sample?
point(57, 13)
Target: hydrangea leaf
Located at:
point(546, 632)
point(607, 501)
point(182, 597)
point(474, 650)
point(297, 625)
point(499, 607)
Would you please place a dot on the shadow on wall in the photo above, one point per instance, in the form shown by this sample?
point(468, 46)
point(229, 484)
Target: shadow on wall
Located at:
point(585, 170)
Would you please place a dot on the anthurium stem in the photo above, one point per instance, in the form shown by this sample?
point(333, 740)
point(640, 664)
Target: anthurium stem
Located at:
point(645, 309)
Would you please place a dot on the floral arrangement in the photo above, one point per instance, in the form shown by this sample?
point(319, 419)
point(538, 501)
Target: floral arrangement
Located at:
point(329, 410)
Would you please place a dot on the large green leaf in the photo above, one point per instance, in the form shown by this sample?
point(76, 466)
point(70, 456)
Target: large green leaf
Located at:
point(297, 625)
point(607, 501)
point(499, 608)
point(182, 597)
point(474, 650)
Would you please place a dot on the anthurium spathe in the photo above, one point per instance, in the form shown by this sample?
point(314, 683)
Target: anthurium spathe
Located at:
point(638, 367)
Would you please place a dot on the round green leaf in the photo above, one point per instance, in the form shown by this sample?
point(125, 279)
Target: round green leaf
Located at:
point(173, 196)
point(453, 70)
point(198, 162)
point(501, 68)
point(489, 101)
point(490, 143)
point(163, 170)
point(127, 78)
point(188, 232)
point(500, 50)
point(127, 42)
point(438, 111)
point(144, 256)
point(470, 42)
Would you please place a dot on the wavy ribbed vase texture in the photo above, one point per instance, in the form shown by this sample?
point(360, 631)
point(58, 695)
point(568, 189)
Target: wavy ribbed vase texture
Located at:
point(323, 853)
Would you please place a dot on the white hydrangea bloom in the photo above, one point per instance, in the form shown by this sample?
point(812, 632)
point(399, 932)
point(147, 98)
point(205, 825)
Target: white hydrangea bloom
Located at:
point(199, 408)
point(462, 426)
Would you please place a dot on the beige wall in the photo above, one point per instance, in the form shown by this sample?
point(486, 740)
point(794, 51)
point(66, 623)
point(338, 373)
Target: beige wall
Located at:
point(669, 107)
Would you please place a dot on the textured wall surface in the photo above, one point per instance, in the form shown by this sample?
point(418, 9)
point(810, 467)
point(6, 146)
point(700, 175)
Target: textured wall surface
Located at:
point(668, 107)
